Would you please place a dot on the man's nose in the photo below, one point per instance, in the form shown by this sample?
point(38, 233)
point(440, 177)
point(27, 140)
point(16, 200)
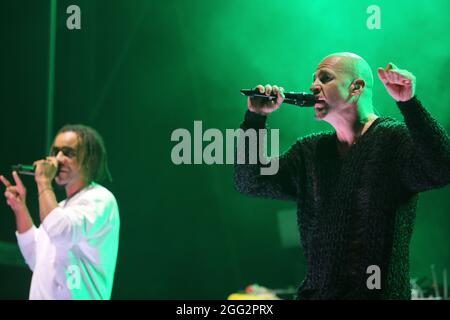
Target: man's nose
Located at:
point(59, 156)
point(315, 89)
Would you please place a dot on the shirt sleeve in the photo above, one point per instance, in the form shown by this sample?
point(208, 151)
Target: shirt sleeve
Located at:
point(87, 218)
point(27, 244)
point(248, 178)
point(423, 150)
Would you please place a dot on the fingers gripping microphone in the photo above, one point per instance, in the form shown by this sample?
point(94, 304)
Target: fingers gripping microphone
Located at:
point(300, 99)
point(26, 169)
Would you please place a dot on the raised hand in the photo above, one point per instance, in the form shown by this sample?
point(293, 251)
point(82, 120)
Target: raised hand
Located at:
point(15, 195)
point(400, 83)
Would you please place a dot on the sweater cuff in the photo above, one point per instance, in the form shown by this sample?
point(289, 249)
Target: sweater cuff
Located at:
point(411, 103)
point(254, 120)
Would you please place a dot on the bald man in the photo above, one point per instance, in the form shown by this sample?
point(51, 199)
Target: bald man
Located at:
point(356, 187)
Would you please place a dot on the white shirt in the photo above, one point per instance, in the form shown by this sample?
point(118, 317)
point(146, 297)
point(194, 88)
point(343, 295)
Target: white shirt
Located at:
point(74, 251)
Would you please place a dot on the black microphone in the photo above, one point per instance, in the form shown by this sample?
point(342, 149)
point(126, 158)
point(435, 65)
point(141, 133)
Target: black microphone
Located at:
point(301, 99)
point(26, 169)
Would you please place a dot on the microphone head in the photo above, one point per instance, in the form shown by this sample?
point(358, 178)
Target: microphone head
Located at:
point(301, 99)
point(24, 169)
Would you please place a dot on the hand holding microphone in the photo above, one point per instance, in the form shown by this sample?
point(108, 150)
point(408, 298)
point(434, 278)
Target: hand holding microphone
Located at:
point(45, 170)
point(29, 170)
point(266, 106)
point(264, 100)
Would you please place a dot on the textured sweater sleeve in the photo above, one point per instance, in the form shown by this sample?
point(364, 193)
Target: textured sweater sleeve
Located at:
point(248, 177)
point(424, 150)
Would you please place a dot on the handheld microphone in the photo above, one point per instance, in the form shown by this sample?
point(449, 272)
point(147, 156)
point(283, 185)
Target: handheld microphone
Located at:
point(300, 99)
point(26, 169)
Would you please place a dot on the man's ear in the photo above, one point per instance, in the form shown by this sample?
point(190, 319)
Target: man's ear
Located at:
point(358, 86)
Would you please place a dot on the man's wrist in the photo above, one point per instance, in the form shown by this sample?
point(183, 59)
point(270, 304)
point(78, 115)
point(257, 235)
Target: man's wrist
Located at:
point(413, 101)
point(261, 113)
point(43, 184)
point(406, 101)
point(21, 211)
point(255, 120)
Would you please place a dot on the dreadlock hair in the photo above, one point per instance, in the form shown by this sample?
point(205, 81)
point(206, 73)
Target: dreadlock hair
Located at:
point(91, 152)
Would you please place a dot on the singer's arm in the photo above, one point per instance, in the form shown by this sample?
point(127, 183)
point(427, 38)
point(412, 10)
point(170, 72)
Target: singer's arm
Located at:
point(423, 156)
point(26, 235)
point(283, 185)
point(24, 222)
point(91, 216)
point(16, 199)
point(26, 232)
point(47, 198)
point(44, 174)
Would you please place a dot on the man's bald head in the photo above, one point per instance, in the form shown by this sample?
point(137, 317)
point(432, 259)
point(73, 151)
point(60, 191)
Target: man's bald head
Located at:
point(351, 64)
point(343, 79)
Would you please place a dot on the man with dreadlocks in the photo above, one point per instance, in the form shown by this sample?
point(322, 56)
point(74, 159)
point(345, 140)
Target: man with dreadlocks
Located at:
point(73, 252)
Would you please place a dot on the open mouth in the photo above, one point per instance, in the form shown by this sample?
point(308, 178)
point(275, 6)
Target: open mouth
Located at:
point(320, 104)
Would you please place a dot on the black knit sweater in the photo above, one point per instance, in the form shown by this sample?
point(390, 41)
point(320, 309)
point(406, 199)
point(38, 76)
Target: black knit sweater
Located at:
point(356, 210)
